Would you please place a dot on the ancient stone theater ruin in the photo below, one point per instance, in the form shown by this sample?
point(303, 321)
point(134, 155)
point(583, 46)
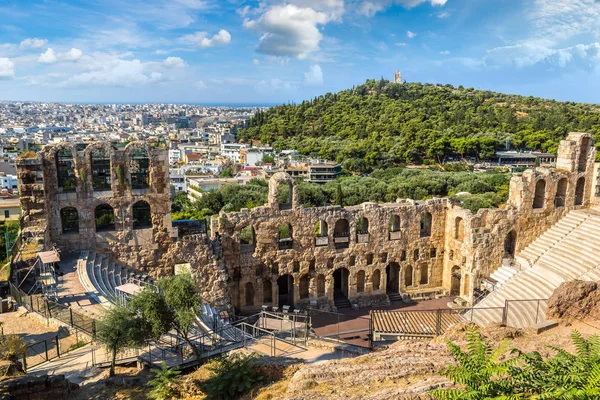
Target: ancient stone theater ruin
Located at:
point(115, 202)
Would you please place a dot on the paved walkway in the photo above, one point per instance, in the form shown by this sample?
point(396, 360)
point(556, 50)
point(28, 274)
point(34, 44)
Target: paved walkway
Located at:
point(75, 365)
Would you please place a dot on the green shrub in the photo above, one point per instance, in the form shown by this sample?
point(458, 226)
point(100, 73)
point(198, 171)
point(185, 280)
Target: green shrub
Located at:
point(234, 376)
point(164, 383)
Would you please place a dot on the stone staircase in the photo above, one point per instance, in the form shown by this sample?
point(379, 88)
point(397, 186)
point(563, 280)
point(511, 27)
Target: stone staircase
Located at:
point(569, 250)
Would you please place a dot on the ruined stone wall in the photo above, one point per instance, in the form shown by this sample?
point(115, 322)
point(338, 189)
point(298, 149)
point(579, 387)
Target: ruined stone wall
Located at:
point(364, 255)
point(141, 247)
point(420, 249)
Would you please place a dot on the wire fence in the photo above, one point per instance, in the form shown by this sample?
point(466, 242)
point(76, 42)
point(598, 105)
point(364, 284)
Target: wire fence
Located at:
point(50, 309)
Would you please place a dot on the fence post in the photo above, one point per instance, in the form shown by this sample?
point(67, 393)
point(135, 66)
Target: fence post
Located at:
point(93, 329)
point(46, 346)
point(25, 361)
point(537, 311)
point(438, 322)
point(57, 346)
point(71, 316)
point(505, 313)
point(31, 303)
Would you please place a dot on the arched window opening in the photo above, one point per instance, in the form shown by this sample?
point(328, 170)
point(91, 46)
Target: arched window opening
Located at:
point(285, 236)
point(426, 224)
point(303, 286)
point(561, 193)
point(424, 274)
point(247, 236)
point(100, 160)
point(65, 170)
point(69, 218)
point(455, 281)
point(540, 194)
point(139, 167)
point(510, 243)
point(583, 154)
point(320, 286)
point(459, 229)
point(105, 218)
point(360, 281)
point(362, 227)
point(284, 196)
point(249, 289)
point(392, 272)
point(376, 279)
point(267, 291)
point(394, 225)
point(579, 191)
point(321, 229)
point(408, 276)
point(285, 287)
point(142, 218)
point(341, 234)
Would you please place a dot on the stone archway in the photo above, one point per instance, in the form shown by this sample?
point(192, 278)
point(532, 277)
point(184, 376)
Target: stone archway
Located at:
point(455, 281)
point(340, 282)
point(285, 286)
point(392, 271)
point(510, 244)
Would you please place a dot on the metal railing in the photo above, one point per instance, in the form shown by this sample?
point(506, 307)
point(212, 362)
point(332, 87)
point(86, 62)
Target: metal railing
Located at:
point(50, 309)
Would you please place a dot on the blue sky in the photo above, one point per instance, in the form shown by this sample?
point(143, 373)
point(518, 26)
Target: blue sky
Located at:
point(273, 51)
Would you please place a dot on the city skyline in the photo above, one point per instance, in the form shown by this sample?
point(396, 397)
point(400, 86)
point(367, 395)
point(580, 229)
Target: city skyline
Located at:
point(269, 52)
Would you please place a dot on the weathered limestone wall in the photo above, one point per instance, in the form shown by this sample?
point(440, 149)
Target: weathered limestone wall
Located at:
point(134, 246)
point(366, 253)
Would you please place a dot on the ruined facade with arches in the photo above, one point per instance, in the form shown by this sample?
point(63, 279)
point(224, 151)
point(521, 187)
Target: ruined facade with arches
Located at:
point(118, 201)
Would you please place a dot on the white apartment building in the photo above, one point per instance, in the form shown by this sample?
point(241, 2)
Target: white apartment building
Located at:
point(232, 151)
point(175, 155)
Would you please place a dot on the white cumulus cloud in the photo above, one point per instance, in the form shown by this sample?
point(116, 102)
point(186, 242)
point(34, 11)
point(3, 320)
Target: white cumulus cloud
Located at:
point(202, 40)
point(47, 57)
point(314, 76)
point(289, 30)
point(444, 52)
point(174, 62)
point(410, 34)
point(7, 68)
point(50, 56)
point(33, 43)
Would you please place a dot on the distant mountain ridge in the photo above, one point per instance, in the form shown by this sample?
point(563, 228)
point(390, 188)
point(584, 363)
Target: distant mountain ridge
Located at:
point(380, 124)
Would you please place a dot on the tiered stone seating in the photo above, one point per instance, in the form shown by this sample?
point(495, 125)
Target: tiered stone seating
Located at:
point(567, 251)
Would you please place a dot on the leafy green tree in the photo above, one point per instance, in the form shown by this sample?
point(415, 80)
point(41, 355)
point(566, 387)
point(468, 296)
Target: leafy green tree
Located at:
point(181, 296)
point(226, 173)
point(164, 383)
point(119, 329)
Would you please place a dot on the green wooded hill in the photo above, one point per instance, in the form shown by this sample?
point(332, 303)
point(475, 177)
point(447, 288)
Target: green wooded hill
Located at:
point(381, 124)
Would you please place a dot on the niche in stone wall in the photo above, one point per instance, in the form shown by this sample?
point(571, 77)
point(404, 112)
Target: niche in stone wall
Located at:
point(584, 151)
point(376, 279)
point(426, 220)
point(539, 197)
point(360, 281)
point(303, 287)
point(424, 269)
point(247, 238)
point(459, 229)
point(249, 289)
point(267, 291)
point(320, 286)
point(579, 191)
point(561, 193)
point(408, 276)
